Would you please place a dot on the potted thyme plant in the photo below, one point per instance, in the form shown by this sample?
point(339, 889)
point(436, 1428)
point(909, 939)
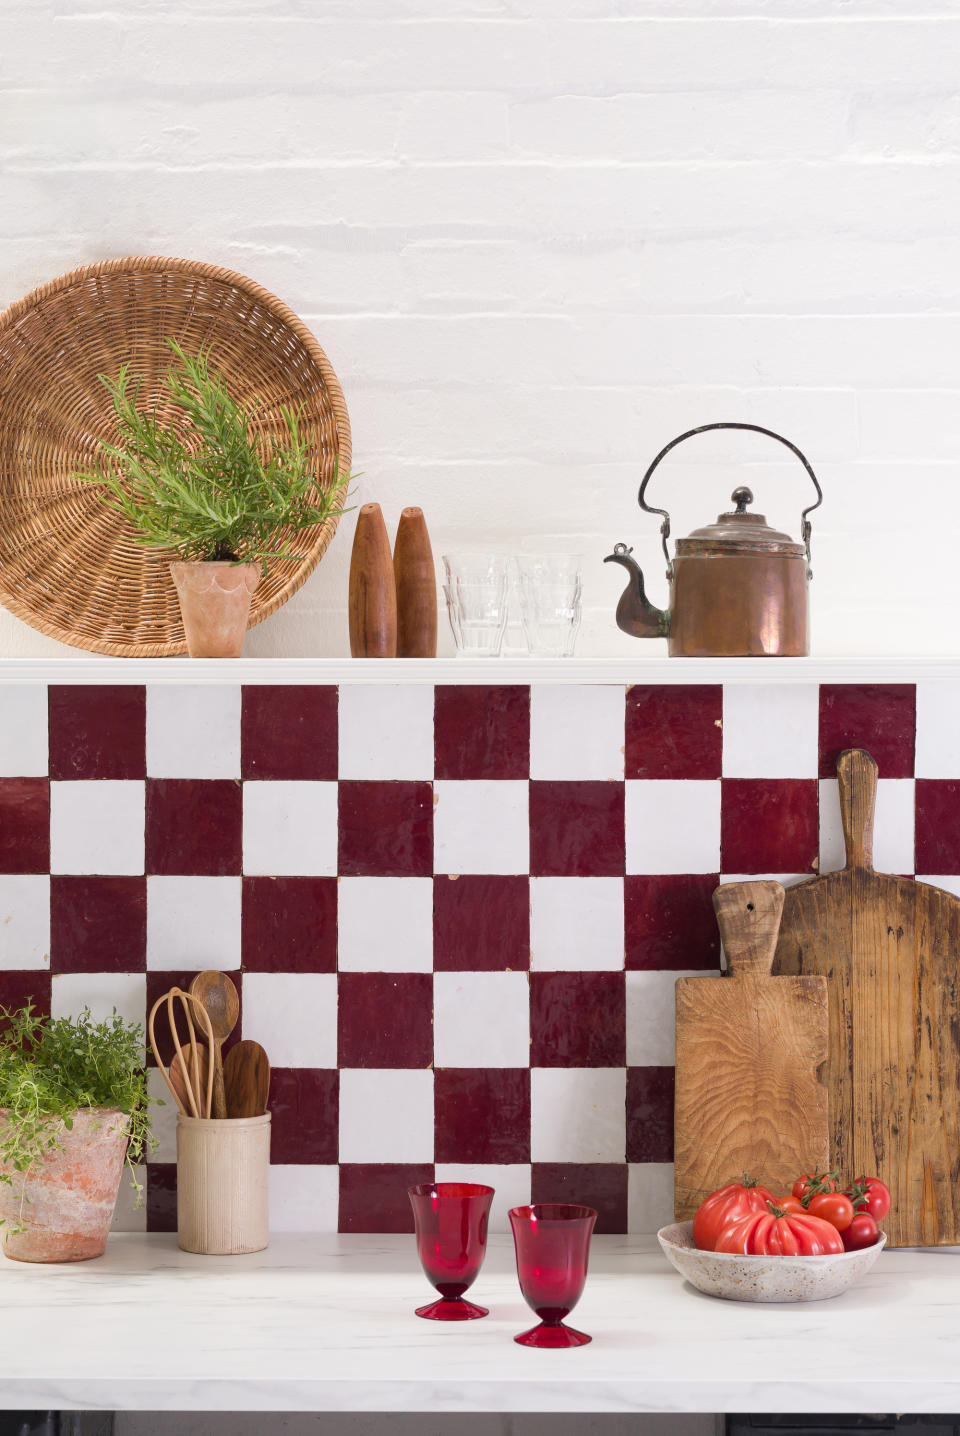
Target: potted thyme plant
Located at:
point(73, 1108)
point(214, 488)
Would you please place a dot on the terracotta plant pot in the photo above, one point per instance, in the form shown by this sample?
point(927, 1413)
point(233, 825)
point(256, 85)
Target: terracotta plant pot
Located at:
point(70, 1198)
point(215, 604)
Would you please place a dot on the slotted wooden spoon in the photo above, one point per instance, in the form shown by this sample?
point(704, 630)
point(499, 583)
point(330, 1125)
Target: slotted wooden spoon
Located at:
point(246, 1078)
point(219, 997)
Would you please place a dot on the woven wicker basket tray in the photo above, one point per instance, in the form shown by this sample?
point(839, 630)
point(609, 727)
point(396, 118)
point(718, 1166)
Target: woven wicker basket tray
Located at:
point(69, 565)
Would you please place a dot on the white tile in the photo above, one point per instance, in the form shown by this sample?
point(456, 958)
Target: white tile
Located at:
point(293, 1015)
point(651, 1016)
point(672, 826)
point(576, 924)
point(163, 1120)
point(23, 730)
point(24, 922)
point(578, 1114)
point(385, 924)
point(786, 880)
point(770, 730)
point(304, 1199)
point(950, 882)
point(97, 827)
point(193, 922)
point(938, 730)
point(127, 1215)
point(893, 843)
point(386, 731)
point(577, 731)
point(193, 730)
point(290, 829)
point(386, 1116)
point(511, 1186)
point(649, 1197)
point(101, 992)
point(481, 827)
point(481, 1019)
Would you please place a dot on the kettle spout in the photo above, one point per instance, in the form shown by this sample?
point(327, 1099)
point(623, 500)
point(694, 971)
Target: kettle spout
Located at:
point(636, 615)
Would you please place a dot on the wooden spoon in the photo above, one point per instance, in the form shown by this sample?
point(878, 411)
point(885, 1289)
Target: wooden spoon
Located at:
point(219, 996)
point(246, 1078)
point(190, 1068)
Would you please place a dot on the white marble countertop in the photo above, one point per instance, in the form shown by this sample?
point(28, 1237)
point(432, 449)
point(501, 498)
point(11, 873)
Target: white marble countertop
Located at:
point(325, 1323)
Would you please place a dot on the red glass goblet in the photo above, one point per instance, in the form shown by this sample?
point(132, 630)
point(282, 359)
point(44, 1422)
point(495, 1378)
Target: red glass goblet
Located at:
point(451, 1221)
point(552, 1241)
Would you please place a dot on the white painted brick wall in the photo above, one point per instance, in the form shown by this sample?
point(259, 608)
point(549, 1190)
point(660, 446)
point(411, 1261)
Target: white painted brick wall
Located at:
point(538, 238)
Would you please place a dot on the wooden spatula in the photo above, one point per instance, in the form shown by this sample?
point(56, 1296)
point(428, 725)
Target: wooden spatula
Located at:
point(219, 996)
point(246, 1080)
point(749, 1046)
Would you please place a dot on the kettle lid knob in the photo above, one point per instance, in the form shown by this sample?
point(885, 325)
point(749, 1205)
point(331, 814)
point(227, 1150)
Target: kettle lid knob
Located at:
point(742, 497)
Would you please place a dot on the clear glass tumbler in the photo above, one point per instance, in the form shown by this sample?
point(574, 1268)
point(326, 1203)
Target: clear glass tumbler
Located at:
point(477, 594)
point(550, 590)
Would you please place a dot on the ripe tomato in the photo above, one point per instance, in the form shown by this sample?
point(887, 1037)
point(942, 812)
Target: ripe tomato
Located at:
point(869, 1194)
point(862, 1232)
point(723, 1206)
point(834, 1207)
point(779, 1233)
point(814, 1182)
point(790, 1204)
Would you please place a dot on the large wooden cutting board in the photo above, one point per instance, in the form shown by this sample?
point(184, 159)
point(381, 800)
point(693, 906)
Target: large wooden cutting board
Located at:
point(890, 950)
point(749, 1046)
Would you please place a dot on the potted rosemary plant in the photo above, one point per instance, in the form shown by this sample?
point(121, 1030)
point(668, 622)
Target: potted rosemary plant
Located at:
point(73, 1108)
point(212, 485)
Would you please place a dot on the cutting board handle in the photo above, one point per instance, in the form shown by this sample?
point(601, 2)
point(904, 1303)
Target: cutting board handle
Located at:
point(748, 915)
point(857, 773)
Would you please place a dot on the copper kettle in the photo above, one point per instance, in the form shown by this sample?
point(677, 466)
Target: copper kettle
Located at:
point(738, 588)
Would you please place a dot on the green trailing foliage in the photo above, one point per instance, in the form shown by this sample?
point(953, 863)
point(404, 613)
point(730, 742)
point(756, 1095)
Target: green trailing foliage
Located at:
point(209, 484)
point(51, 1068)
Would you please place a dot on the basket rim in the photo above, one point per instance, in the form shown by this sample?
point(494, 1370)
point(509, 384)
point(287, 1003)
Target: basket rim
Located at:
point(150, 264)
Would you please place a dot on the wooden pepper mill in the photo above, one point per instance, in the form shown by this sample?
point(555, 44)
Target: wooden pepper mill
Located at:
point(373, 594)
point(416, 583)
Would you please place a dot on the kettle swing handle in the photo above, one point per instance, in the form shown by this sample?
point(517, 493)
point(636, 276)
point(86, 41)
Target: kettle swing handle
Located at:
point(806, 528)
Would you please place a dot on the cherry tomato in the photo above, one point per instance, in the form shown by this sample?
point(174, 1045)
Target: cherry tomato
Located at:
point(779, 1233)
point(862, 1232)
point(869, 1194)
point(725, 1204)
point(816, 1182)
point(833, 1207)
point(790, 1204)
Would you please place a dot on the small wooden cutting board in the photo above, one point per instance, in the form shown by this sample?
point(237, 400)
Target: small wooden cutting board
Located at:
point(890, 950)
point(749, 1045)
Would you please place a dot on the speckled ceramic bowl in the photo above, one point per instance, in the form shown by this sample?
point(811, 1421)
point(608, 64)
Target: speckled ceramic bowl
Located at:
point(755, 1278)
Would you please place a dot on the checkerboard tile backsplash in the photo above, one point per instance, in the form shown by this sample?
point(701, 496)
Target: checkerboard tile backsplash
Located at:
point(455, 915)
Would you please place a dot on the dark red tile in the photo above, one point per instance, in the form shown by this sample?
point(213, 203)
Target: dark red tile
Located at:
point(670, 923)
point(98, 924)
point(602, 1185)
point(937, 826)
point(305, 1107)
point(24, 825)
point(289, 924)
point(385, 1019)
point(769, 825)
point(159, 983)
point(650, 1114)
point(577, 1019)
point(576, 829)
point(98, 730)
point(373, 1196)
point(386, 829)
point(18, 988)
point(162, 1197)
point(194, 827)
point(881, 717)
point(482, 1114)
point(481, 924)
point(482, 732)
point(289, 733)
point(674, 730)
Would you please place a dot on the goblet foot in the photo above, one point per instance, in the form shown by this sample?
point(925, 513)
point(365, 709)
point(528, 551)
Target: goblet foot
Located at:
point(452, 1309)
point(553, 1337)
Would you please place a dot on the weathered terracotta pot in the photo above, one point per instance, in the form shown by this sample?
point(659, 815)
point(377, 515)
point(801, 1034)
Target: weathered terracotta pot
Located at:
point(215, 604)
point(70, 1199)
